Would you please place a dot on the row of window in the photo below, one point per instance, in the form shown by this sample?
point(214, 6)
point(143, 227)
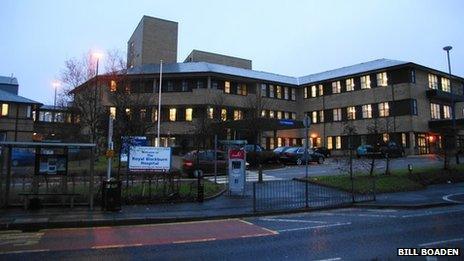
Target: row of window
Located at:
point(434, 84)
point(341, 142)
point(438, 111)
point(278, 92)
point(349, 84)
point(49, 116)
point(278, 114)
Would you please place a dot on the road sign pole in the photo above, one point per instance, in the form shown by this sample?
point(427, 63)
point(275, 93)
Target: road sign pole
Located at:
point(307, 124)
point(110, 146)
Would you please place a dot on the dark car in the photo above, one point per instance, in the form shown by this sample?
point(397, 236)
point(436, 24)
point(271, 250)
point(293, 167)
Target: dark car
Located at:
point(279, 150)
point(296, 156)
point(392, 149)
point(323, 150)
point(255, 150)
point(205, 162)
point(21, 157)
point(366, 151)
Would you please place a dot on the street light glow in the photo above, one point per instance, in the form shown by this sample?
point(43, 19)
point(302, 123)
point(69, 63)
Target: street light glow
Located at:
point(447, 48)
point(56, 84)
point(97, 55)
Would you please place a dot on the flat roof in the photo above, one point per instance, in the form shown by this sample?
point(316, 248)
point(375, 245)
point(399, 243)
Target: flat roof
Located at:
point(45, 144)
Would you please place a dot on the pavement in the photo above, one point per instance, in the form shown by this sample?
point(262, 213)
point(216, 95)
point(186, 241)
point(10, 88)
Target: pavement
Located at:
point(223, 206)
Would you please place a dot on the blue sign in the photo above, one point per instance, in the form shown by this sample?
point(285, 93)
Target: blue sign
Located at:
point(286, 122)
point(131, 141)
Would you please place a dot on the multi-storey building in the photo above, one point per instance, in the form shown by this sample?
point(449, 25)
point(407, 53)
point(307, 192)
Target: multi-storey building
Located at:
point(381, 100)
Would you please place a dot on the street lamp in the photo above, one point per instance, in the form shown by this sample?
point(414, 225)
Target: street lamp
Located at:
point(447, 49)
point(56, 84)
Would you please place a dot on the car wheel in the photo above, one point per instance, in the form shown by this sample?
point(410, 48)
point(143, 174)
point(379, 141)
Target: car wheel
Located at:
point(15, 163)
point(320, 160)
point(299, 161)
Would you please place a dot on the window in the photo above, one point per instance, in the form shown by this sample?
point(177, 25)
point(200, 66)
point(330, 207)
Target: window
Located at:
point(223, 114)
point(210, 112)
point(184, 85)
point(329, 143)
point(293, 115)
point(238, 115)
point(59, 117)
point(384, 109)
point(321, 89)
point(278, 92)
point(5, 108)
point(314, 117)
point(385, 137)
point(170, 86)
point(113, 112)
point(271, 114)
point(351, 113)
point(143, 114)
point(263, 113)
point(433, 81)
point(214, 85)
point(287, 115)
point(446, 112)
point(337, 114)
point(305, 95)
point(350, 85)
point(113, 86)
point(241, 89)
point(365, 82)
point(367, 111)
point(271, 91)
point(227, 87)
point(435, 111)
point(404, 140)
point(313, 91)
point(154, 115)
point(172, 114)
point(128, 113)
point(286, 94)
point(413, 76)
point(188, 114)
point(414, 107)
point(200, 85)
point(28, 111)
point(445, 85)
point(263, 90)
point(336, 87)
point(338, 142)
point(321, 116)
point(279, 115)
point(382, 79)
point(293, 91)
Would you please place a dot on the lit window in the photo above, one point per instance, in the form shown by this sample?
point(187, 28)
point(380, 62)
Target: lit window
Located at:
point(293, 114)
point(271, 91)
point(338, 142)
point(313, 91)
point(445, 85)
point(305, 95)
point(404, 140)
point(227, 87)
point(154, 115)
point(286, 94)
point(385, 137)
point(337, 114)
point(278, 92)
point(241, 89)
point(321, 90)
point(350, 85)
point(321, 116)
point(263, 90)
point(113, 112)
point(384, 109)
point(128, 112)
point(238, 115)
point(143, 114)
point(314, 117)
point(5, 108)
point(279, 115)
point(223, 114)
point(172, 114)
point(263, 113)
point(188, 114)
point(435, 111)
point(365, 82)
point(279, 142)
point(113, 86)
point(287, 115)
point(351, 113)
point(271, 114)
point(433, 81)
point(382, 79)
point(329, 143)
point(446, 112)
point(367, 111)
point(271, 143)
point(210, 113)
point(336, 87)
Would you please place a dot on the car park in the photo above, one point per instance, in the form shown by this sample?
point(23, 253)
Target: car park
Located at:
point(296, 155)
point(205, 162)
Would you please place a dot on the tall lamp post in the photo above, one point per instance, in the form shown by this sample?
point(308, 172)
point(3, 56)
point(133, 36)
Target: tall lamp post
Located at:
point(97, 56)
point(56, 85)
point(447, 49)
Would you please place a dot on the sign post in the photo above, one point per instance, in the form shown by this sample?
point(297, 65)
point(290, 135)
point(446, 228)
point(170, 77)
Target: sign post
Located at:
point(237, 172)
point(307, 124)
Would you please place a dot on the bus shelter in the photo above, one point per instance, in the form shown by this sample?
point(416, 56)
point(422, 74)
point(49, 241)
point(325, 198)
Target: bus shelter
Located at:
point(46, 173)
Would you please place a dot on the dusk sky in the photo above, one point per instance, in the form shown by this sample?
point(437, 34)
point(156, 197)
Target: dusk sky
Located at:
point(293, 38)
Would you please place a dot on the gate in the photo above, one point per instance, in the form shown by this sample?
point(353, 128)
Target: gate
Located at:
point(281, 195)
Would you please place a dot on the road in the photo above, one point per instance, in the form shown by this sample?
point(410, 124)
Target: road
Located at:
point(341, 234)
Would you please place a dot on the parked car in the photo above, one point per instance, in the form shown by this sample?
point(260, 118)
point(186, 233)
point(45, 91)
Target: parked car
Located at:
point(279, 150)
point(323, 150)
point(296, 156)
point(205, 162)
point(255, 150)
point(21, 157)
point(366, 150)
point(392, 149)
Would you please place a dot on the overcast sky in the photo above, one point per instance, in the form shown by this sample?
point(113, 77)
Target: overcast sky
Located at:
point(293, 38)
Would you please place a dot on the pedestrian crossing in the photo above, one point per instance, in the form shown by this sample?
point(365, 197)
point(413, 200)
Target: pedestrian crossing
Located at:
point(251, 176)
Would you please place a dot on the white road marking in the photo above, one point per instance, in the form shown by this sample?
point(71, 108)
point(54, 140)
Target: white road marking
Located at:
point(451, 200)
point(291, 220)
point(441, 242)
point(251, 176)
point(432, 213)
point(357, 215)
point(330, 259)
point(24, 251)
point(314, 227)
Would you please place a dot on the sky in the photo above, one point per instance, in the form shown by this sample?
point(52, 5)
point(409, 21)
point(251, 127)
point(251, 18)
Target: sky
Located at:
point(294, 38)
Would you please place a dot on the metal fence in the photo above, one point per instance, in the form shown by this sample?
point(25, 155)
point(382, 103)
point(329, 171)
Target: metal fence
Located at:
point(280, 195)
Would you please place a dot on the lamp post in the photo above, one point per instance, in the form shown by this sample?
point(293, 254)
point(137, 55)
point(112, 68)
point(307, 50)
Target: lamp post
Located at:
point(97, 56)
point(159, 104)
point(55, 85)
point(447, 49)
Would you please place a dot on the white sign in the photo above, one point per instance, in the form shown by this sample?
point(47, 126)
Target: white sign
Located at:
point(150, 158)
